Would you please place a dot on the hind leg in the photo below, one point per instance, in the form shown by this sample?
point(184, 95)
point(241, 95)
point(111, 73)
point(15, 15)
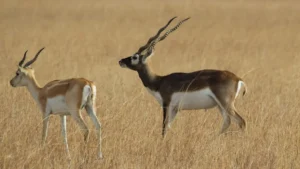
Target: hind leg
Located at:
point(74, 110)
point(226, 119)
point(233, 113)
point(240, 121)
point(76, 115)
point(225, 114)
point(92, 113)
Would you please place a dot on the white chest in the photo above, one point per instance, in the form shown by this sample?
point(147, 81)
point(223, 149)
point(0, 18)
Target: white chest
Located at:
point(57, 105)
point(156, 95)
point(201, 99)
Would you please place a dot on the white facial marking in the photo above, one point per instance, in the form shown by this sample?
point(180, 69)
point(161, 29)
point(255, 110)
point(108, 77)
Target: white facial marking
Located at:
point(156, 95)
point(21, 69)
point(135, 59)
point(123, 65)
point(201, 99)
point(57, 105)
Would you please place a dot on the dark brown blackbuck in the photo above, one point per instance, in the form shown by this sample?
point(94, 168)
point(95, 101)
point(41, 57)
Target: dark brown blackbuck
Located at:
point(60, 97)
point(203, 89)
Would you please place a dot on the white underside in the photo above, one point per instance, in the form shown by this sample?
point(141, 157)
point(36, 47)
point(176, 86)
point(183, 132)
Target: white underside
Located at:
point(58, 105)
point(201, 99)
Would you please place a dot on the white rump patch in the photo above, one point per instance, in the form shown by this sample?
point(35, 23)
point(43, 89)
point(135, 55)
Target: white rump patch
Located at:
point(201, 99)
point(85, 94)
point(156, 95)
point(94, 93)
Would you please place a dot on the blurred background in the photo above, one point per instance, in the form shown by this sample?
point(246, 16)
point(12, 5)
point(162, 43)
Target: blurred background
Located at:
point(257, 40)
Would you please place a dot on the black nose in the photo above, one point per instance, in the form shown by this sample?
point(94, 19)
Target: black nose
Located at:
point(121, 63)
point(11, 83)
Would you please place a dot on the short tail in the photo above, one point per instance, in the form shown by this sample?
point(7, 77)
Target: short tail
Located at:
point(245, 87)
point(93, 94)
point(241, 84)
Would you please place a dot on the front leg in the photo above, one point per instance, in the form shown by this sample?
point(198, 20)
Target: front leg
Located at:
point(45, 128)
point(165, 119)
point(172, 112)
point(64, 133)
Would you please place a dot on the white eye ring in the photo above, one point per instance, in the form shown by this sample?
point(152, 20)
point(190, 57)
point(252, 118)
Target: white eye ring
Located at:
point(135, 59)
point(135, 56)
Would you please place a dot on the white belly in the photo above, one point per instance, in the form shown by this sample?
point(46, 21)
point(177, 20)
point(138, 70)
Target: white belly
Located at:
point(57, 105)
point(201, 99)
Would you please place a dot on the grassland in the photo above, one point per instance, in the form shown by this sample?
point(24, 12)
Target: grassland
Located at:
point(257, 40)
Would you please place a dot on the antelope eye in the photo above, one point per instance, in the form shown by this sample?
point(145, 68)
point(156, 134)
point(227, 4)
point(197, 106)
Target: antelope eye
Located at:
point(17, 74)
point(134, 57)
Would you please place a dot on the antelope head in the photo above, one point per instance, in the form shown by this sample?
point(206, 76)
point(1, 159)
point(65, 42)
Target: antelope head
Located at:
point(24, 72)
point(139, 59)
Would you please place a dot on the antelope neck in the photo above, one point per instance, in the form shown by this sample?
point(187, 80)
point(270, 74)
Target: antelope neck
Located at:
point(33, 87)
point(149, 79)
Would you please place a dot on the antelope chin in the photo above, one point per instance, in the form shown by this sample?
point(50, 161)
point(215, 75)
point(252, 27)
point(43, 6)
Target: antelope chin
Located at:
point(122, 65)
point(12, 84)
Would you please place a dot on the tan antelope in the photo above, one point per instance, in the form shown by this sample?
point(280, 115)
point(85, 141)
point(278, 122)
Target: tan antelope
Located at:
point(201, 89)
point(60, 97)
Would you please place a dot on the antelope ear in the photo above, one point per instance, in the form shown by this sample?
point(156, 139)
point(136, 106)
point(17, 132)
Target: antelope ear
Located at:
point(147, 55)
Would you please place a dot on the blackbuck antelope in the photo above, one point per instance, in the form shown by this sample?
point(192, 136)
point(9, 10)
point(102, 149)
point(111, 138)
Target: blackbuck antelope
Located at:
point(201, 89)
point(60, 97)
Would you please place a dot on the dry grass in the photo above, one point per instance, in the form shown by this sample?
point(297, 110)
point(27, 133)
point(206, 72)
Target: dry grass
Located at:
point(87, 38)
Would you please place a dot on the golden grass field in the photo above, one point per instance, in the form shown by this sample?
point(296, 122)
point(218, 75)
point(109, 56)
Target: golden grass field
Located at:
point(257, 40)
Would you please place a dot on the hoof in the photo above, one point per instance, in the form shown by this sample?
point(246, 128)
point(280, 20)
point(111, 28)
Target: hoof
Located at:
point(100, 156)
